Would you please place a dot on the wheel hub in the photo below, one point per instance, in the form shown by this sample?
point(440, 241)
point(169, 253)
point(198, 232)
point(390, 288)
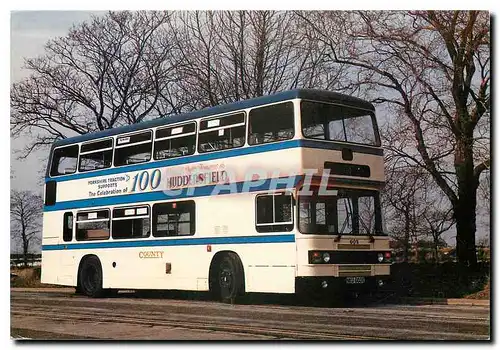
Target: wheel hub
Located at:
point(226, 278)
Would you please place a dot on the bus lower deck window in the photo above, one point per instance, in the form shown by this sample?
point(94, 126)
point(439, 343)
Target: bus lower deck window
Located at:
point(351, 211)
point(93, 225)
point(68, 227)
point(273, 213)
point(131, 222)
point(174, 219)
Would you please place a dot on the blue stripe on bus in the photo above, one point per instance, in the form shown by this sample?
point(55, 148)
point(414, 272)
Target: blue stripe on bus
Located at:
point(287, 238)
point(188, 192)
point(220, 155)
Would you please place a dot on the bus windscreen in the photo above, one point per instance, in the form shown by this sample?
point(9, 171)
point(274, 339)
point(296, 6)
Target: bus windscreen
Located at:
point(350, 212)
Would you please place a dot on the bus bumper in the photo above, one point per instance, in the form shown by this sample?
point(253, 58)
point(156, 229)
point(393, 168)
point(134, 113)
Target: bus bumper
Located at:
point(335, 285)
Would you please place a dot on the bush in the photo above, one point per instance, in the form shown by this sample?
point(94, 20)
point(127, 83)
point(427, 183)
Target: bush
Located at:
point(37, 272)
point(447, 280)
point(26, 277)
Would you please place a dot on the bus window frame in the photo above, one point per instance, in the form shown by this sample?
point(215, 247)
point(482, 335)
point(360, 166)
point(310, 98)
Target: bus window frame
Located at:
point(294, 127)
point(51, 163)
point(132, 217)
point(192, 221)
point(359, 192)
point(378, 142)
point(244, 124)
point(173, 126)
point(274, 223)
point(117, 146)
point(112, 148)
point(66, 214)
point(109, 219)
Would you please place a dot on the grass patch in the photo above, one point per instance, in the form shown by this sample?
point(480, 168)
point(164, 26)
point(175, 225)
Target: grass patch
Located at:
point(482, 294)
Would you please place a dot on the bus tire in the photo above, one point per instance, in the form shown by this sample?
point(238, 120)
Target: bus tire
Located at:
point(78, 289)
point(226, 280)
point(90, 277)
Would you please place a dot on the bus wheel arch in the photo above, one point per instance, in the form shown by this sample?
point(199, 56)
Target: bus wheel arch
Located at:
point(226, 276)
point(90, 277)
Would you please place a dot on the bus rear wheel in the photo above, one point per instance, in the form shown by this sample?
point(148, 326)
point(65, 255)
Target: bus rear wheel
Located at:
point(227, 279)
point(90, 277)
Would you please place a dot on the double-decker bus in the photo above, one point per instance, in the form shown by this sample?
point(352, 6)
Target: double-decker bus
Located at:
point(274, 194)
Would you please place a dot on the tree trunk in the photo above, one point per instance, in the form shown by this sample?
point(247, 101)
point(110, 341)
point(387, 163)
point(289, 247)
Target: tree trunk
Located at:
point(465, 215)
point(407, 237)
point(436, 247)
point(25, 252)
point(465, 205)
point(25, 243)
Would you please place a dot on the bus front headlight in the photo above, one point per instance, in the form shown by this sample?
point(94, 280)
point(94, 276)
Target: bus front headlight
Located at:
point(380, 257)
point(326, 257)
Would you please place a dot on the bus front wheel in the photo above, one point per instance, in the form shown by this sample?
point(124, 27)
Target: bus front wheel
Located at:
point(90, 277)
point(227, 281)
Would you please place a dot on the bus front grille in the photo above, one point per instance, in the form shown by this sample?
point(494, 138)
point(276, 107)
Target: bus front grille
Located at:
point(355, 268)
point(354, 273)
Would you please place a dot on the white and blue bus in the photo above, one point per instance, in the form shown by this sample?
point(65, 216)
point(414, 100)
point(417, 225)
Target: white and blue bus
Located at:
point(272, 194)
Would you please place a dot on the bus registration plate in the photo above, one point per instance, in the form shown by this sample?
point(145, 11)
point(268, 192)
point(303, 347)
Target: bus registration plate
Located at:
point(354, 280)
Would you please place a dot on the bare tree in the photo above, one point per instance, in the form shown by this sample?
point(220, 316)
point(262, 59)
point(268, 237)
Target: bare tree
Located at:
point(436, 218)
point(124, 67)
point(433, 68)
point(226, 56)
point(402, 202)
point(104, 73)
point(25, 217)
point(484, 241)
point(416, 209)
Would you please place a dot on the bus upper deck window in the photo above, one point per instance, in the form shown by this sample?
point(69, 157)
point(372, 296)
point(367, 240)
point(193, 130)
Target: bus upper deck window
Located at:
point(271, 123)
point(64, 160)
point(133, 149)
point(175, 141)
point(96, 155)
point(221, 133)
point(328, 121)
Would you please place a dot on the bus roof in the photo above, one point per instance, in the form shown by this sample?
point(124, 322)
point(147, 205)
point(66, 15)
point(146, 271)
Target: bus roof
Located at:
point(310, 94)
